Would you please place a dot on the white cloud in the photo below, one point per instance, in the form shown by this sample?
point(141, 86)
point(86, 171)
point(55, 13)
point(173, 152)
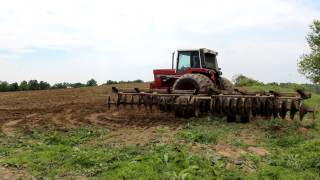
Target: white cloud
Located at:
point(142, 34)
point(266, 61)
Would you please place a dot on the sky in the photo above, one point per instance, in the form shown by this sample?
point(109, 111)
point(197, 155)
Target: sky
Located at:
point(75, 40)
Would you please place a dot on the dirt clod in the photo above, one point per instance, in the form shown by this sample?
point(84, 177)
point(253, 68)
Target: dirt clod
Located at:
point(259, 151)
point(10, 174)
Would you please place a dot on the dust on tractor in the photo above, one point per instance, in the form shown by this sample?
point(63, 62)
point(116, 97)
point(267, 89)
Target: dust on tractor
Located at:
point(194, 86)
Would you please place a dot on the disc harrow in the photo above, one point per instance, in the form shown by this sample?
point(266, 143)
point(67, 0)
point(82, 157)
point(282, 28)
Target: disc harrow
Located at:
point(190, 103)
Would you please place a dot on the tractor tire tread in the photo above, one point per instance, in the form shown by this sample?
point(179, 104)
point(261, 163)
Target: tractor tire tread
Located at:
point(203, 82)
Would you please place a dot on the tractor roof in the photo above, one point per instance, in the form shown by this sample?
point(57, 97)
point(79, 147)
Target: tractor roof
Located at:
point(205, 50)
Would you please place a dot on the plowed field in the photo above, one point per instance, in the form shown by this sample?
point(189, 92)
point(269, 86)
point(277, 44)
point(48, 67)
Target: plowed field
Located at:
point(73, 108)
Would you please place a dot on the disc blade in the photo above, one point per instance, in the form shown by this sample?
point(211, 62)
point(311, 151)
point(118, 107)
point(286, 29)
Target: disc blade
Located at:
point(218, 106)
point(284, 109)
point(247, 106)
point(268, 108)
point(302, 111)
point(293, 108)
point(226, 105)
point(240, 106)
point(255, 107)
point(212, 101)
point(262, 107)
point(276, 108)
point(233, 106)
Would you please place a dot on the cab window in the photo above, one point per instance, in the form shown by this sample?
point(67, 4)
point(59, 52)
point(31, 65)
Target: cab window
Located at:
point(210, 61)
point(188, 60)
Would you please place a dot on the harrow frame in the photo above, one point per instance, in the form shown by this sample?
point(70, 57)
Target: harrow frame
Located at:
point(238, 103)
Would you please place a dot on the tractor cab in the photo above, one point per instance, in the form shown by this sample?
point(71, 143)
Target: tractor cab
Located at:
point(188, 59)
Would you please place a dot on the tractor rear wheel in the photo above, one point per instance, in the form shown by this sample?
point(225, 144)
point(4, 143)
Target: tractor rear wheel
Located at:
point(226, 84)
point(194, 81)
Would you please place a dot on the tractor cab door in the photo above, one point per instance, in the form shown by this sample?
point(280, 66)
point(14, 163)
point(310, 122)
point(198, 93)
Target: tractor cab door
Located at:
point(187, 60)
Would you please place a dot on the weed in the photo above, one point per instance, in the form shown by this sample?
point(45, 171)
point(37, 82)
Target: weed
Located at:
point(162, 131)
point(204, 133)
point(238, 143)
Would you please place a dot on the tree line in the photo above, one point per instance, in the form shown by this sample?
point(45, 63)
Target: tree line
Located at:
point(244, 81)
point(110, 82)
point(42, 85)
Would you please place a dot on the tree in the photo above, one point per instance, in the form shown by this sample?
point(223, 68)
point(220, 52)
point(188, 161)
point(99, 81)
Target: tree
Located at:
point(44, 85)
point(14, 87)
point(92, 82)
point(24, 86)
point(4, 86)
point(309, 64)
point(33, 85)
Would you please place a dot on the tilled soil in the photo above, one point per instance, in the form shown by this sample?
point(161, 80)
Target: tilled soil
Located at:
point(74, 108)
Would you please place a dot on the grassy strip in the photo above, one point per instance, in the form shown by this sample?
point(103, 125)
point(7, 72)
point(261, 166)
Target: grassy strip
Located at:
point(294, 152)
point(82, 152)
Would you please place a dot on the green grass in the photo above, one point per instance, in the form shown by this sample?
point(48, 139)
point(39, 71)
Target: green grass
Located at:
point(85, 152)
point(81, 153)
point(203, 132)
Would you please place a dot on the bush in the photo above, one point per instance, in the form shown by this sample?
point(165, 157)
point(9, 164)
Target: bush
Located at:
point(44, 85)
point(60, 85)
point(92, 82)
point(137, 81)
point(110, 82)
point(24, 86)
point(241, 80)
point(13, 87)
point(77, 85)
point(4, 86)
point(33, 85)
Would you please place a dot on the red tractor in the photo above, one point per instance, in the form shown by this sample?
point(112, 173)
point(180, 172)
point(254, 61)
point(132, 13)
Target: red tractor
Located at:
point(195, 69)
point(195, 86)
